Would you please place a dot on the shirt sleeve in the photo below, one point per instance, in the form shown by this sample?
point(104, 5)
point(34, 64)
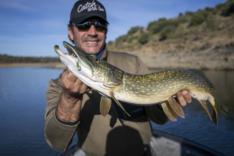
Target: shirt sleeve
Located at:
point(57, 134)
point(154, 112)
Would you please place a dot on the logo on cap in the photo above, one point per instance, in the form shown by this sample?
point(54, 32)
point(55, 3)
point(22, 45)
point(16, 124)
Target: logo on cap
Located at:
point(90, 7)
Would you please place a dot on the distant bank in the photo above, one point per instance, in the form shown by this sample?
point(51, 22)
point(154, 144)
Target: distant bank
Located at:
point(49, 65)
point(163, 61)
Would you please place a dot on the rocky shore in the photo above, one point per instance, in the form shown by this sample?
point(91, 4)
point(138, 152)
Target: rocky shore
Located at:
point(222, 59)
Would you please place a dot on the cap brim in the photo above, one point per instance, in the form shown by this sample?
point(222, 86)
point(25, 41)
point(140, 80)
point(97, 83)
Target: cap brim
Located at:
point(84, 17)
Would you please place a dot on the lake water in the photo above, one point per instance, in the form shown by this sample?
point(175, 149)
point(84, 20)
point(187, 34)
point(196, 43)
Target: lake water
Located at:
point(22, 103)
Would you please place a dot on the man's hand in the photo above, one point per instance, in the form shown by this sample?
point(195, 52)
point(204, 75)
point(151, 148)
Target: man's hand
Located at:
point(69, 105)
point(183, 98)
point(73, 87)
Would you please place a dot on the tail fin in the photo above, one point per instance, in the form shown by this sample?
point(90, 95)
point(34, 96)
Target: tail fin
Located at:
point(222, 108)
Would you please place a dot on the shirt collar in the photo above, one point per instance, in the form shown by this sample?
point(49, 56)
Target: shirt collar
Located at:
point(100, 54)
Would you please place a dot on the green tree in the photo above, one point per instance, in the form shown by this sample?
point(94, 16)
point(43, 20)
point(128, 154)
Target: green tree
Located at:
point(134, 30)
point(228, 8)
point(198, 18)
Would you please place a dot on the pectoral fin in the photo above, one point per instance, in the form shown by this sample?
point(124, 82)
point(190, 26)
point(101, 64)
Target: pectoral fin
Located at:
point(105, 105)
point(204, 105)
point(118, 103)
point(169, 111)
point(176, 107)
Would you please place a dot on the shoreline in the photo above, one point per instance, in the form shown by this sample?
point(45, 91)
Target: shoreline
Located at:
point(162, 62)
point(50, 65)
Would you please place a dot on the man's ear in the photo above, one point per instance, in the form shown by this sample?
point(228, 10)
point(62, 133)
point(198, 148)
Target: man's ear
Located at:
point(70, 33)
point(106, 30)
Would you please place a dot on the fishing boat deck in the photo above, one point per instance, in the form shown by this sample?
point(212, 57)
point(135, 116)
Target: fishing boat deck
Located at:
point(164, 144)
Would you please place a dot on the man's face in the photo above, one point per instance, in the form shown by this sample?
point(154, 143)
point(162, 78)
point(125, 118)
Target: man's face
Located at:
point(90, 41)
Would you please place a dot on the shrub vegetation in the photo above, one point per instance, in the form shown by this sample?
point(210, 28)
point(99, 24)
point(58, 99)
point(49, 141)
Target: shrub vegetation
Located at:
point(121, 39)
point(198, 18)
point(133, 30)
point(143, 38)
point(185, 24)
point(228, 8)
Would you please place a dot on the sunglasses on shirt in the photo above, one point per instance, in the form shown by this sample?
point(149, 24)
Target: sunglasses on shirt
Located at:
point(86, 26)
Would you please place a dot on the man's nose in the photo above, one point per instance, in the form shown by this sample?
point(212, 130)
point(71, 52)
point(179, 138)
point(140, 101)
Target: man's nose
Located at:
point(92, 31)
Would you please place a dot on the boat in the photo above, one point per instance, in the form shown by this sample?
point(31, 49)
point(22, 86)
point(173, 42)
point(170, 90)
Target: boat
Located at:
point(167, 144)
point(162, 144)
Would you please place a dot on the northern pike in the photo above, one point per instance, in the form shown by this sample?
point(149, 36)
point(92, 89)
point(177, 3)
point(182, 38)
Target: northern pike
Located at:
point(155, 88)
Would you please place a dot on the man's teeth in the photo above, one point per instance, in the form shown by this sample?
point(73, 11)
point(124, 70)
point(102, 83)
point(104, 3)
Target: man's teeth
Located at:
point(91, 41)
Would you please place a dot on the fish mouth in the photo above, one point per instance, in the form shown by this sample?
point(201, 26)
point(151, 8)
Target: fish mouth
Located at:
point(70, 50)
point(60, 52)
point(83, 63)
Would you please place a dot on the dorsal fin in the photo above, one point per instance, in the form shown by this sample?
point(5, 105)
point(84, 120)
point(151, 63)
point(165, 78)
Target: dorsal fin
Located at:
point(201, 73)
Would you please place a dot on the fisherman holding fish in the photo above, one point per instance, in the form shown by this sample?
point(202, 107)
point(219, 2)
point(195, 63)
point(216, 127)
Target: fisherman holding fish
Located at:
point(74, 107)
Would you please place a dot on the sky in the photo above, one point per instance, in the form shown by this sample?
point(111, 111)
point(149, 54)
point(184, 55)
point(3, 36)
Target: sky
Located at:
point(33, 27)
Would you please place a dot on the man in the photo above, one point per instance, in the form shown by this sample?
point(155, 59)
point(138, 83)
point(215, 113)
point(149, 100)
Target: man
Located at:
point(74, 107)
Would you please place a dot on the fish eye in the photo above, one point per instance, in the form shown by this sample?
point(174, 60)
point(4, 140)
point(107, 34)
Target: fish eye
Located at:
point(96, 59)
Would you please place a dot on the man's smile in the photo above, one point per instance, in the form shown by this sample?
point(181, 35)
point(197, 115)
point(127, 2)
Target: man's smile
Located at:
point(92, 43)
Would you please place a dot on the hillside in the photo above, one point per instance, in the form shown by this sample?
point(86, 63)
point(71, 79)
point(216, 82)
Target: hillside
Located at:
point(202, 40)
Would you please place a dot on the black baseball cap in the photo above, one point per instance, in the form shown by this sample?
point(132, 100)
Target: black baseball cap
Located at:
point(84, 9)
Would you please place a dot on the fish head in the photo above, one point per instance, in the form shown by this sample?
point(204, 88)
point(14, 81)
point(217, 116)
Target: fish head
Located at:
point(86, 64)
point(75, 60)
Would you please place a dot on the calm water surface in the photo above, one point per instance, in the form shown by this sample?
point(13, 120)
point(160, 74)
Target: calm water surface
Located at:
point(22, 101)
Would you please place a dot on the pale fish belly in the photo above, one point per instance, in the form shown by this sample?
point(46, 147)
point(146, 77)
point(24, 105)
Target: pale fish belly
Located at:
point(137, 99)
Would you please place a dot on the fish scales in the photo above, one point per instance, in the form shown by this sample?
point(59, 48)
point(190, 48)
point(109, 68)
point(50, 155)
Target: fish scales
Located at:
point(149, 89)
point(158, 86)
